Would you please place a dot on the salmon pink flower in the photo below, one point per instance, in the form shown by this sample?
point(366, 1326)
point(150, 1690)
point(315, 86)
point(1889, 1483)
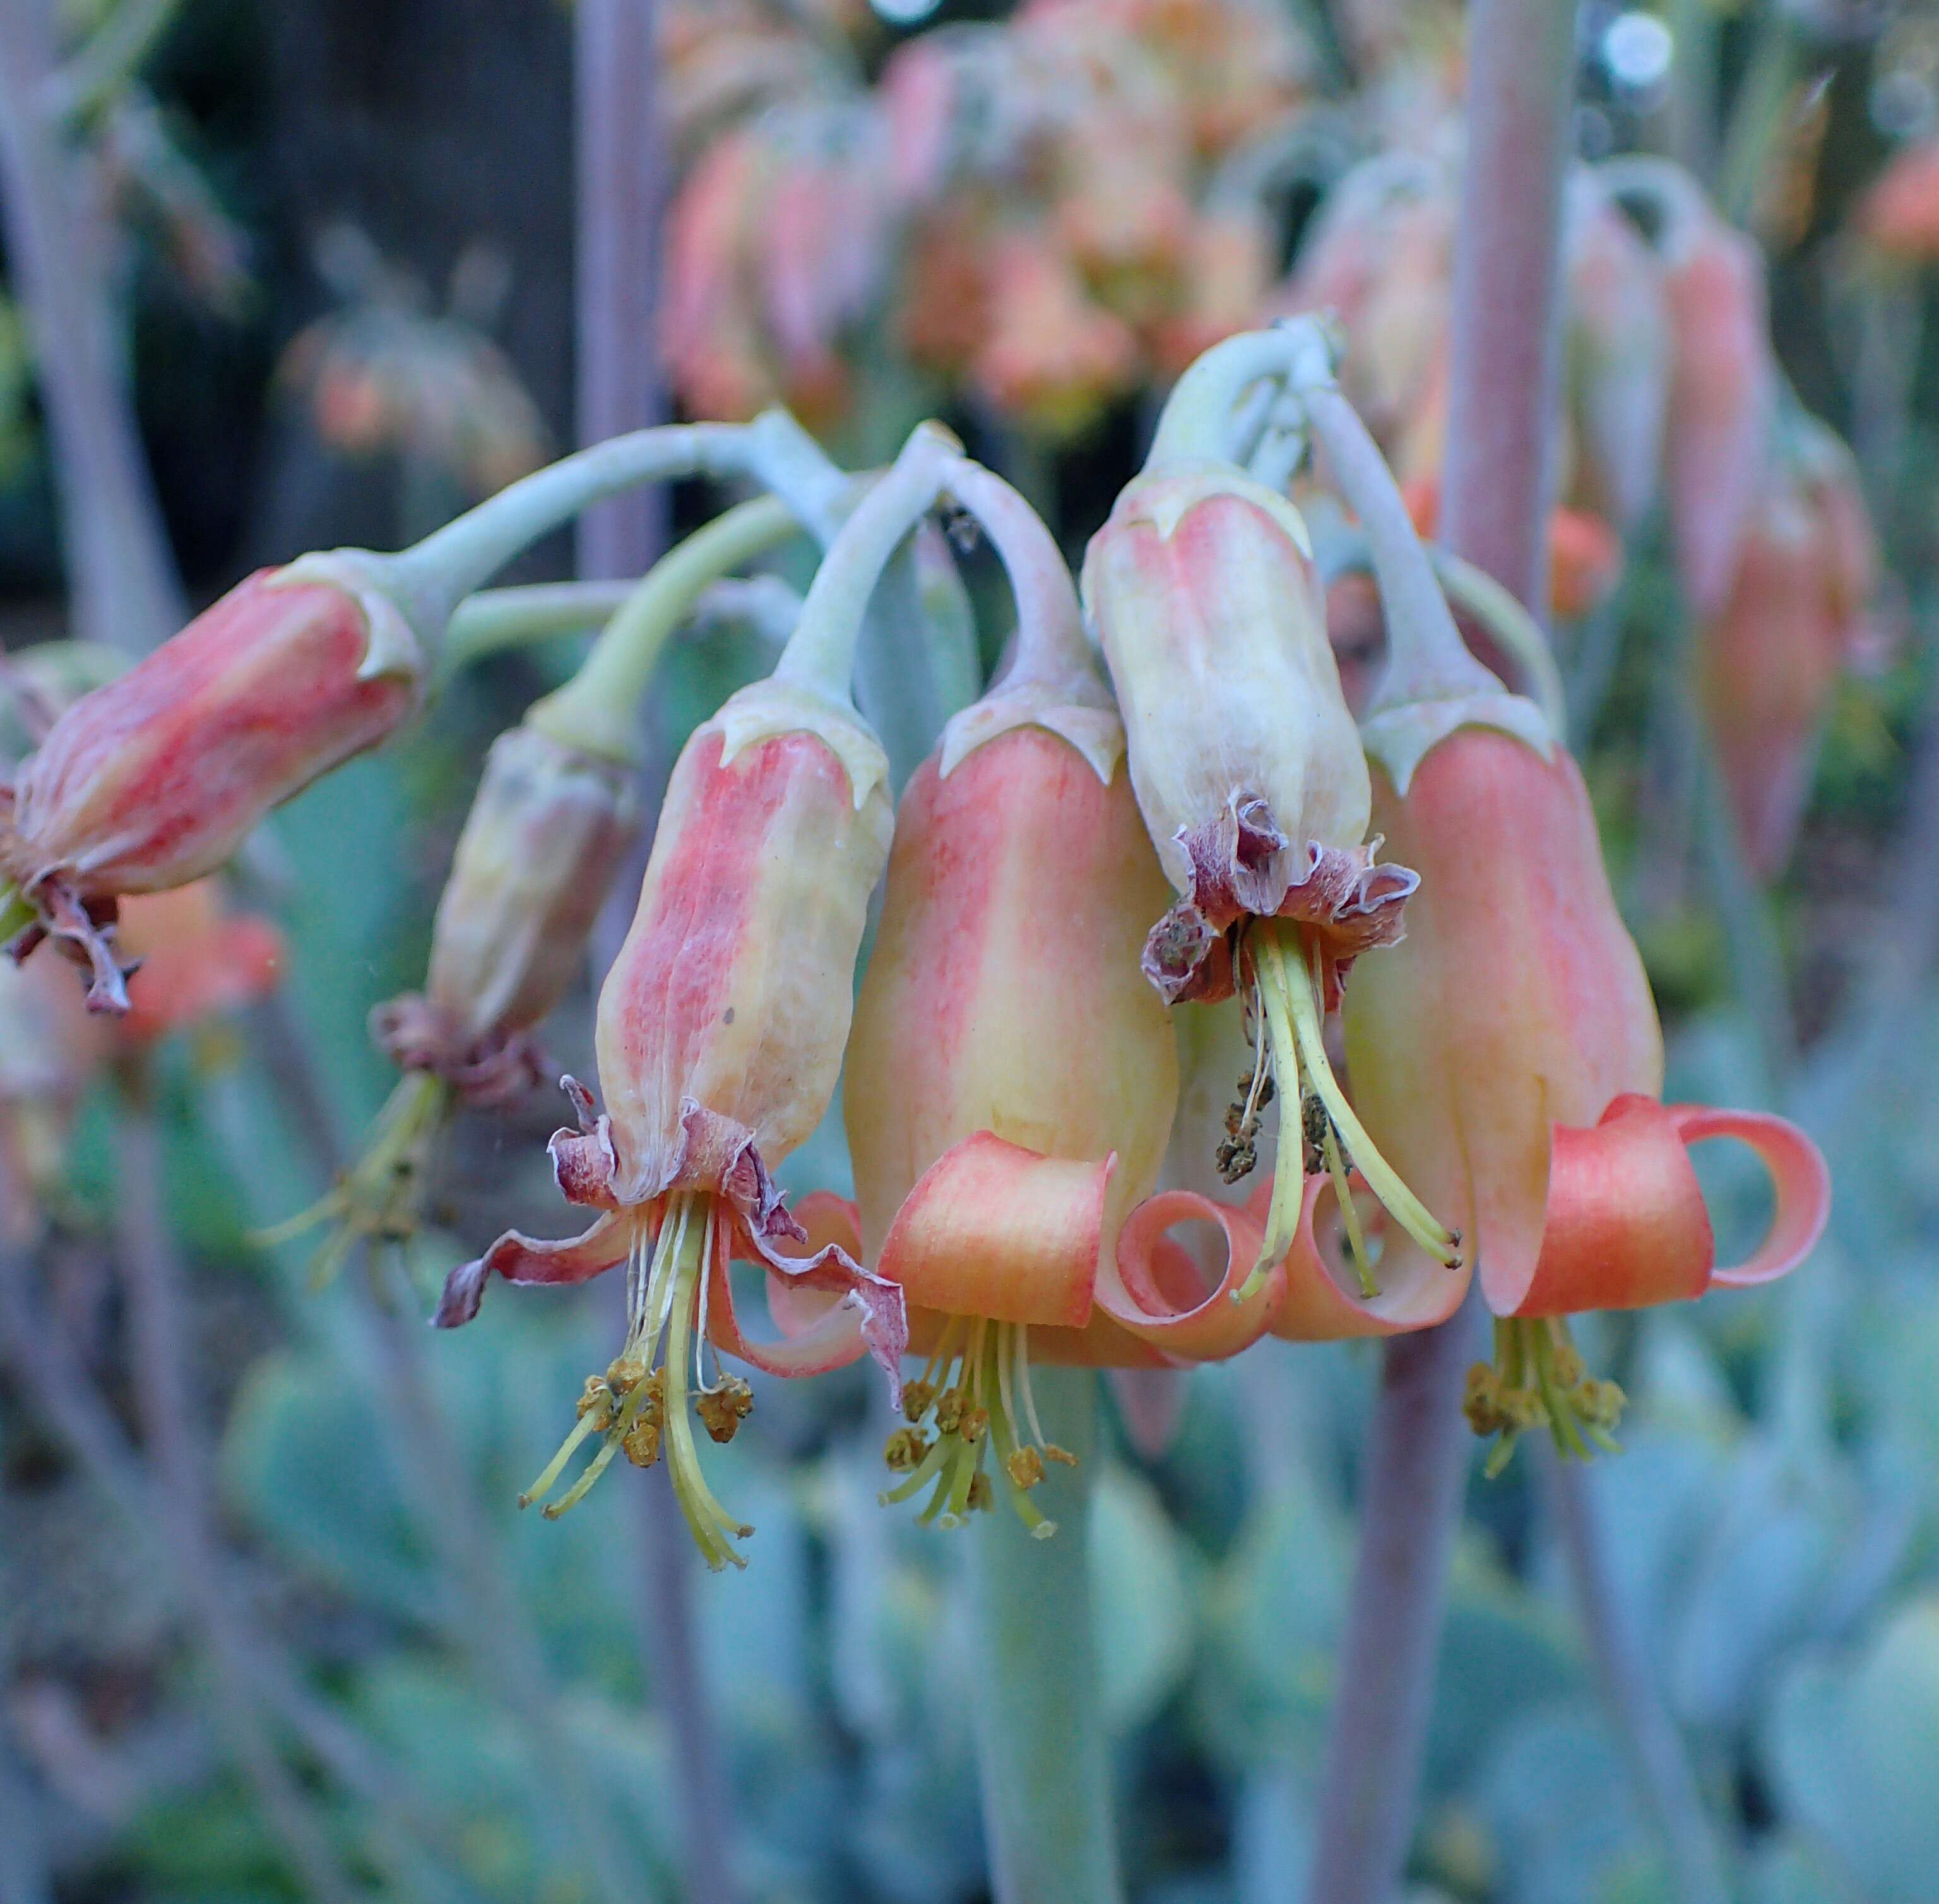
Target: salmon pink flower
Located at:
point(1508, 1057)
point(1012, 1076)
point(192, 959)
point(1247, 764)
point(154, 778)
point(151, 781)
point(720, 1037)
point(1724, 378)
point(1899, 213)
point(1796, 613)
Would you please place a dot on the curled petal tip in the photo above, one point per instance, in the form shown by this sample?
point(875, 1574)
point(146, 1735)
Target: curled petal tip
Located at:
point(1799, 1181)
point(463, 1290)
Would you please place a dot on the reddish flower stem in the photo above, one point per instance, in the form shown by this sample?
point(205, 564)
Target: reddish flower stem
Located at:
point(622, 188)
point(1499, 483)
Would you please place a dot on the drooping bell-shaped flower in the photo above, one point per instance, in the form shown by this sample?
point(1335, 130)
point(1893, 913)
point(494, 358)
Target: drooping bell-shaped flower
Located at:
point(1618, 359)
point(1011, 1075)
point(1507, 1057)
point(550, 827)
point(1797, 611)
point(1246, 763)
point(720, 1037)
point(152, 780)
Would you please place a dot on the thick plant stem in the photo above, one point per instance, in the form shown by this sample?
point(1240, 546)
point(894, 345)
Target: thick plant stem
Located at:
point(1046, 1797)
point(1498, 487)
point(621, 162)
point(120, 568)
point(1500, 482)
point(1657, 1761)
point(153, 1277)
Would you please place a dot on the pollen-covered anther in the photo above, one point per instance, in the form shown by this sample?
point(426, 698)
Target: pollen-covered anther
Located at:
point(906, 1449)
point(638, 1407)
point(723, 1409)
point(977, 1396)
point(1539, 1379)
point(918, 1398)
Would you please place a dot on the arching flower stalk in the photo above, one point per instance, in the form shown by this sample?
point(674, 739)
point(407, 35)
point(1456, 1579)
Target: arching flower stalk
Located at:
point(1011, 1077)
point(1248, 770)
point(720, 1037)
point(153, 779)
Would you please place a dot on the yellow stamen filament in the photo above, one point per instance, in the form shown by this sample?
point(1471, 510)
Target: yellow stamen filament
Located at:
point(1343, 1195)
point(1288, 999)
point(1407, 1209)
point(642, 1405)
point(969, 1394)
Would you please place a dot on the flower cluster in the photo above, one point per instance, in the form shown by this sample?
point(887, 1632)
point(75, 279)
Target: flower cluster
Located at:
point(1206, 852)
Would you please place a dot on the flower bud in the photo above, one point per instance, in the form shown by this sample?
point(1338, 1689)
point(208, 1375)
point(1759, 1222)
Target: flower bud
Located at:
point(153, 779)
point(550, 827)
point(1769, 659)
point(1722, 398)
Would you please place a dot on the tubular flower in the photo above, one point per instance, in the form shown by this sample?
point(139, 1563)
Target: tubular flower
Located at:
point(719, 1037)
point(1248, 770)
point(1796, 611)
point(1585, 556)
point(1899, 213)
point(1011, 1077)
point(1723, 390)
point(153, 779)
point(1508, 1057)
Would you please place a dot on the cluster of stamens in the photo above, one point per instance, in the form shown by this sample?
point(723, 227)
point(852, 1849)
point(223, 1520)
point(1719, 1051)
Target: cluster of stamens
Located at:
point(1539, 1379)
point(639, 1407)
point(381, 1197)
point(1290, 1049)
point(973, 1400)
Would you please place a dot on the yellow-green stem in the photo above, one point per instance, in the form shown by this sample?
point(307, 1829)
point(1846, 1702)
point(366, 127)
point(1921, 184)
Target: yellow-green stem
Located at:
point(598, 710)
